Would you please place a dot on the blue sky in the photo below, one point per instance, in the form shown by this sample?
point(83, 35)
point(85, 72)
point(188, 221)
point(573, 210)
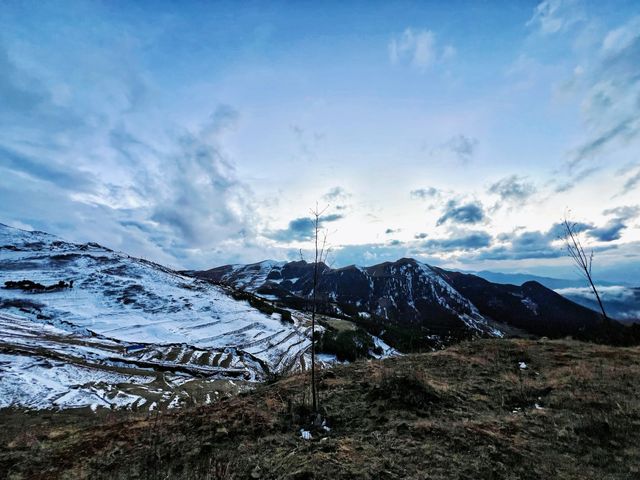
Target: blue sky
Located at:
point(200, 133)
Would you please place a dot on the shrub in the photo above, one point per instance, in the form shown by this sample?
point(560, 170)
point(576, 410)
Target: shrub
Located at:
point(406, 389)
point(347, 345)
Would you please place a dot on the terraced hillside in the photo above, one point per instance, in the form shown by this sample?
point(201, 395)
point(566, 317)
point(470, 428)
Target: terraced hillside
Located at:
point(80, 317)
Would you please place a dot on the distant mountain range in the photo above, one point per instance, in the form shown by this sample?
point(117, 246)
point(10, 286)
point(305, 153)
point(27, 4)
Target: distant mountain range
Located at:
point(621, 300)
point(411, 303)
point(520, 278)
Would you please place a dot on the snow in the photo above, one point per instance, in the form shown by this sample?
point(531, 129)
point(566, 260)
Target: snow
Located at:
point(387, 351)
point(522, 365)
point(37, 382)
point(122, 310)
point(174, 403)
point(305, 434)
point(251, 277)
point(530, 304)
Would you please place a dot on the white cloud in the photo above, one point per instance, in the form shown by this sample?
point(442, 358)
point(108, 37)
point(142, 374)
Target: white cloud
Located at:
point(418, 48)
point(553, 16)
point(448, 52)
point(622, 37)
point(610, 87)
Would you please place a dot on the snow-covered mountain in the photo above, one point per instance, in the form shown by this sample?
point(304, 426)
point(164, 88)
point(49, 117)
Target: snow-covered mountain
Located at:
point(84, 325)
point(405, 290)
point(422, 300)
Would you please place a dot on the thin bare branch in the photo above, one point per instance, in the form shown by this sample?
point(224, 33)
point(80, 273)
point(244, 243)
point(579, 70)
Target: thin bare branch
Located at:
point(582, 262)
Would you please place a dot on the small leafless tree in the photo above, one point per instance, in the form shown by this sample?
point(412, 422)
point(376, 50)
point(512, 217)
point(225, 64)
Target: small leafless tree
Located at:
point(583, 262)
point(320, 254)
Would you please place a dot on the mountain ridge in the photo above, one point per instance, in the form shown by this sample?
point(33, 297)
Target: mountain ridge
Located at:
point(411, 294)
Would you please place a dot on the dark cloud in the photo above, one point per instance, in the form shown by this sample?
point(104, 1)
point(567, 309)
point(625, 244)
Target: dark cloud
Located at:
point(389, 231)
point(424, 193)
point(627, 212)
point(557, 230)
point(420, 236)
point(573, 178)
point(462, 146)
point(331, 217)
point(467, 241)
point(530, 244)
point(301, 229)
point(513, 189)
point(625, 130)
point(631, 183)
point(47, 170)
point(52, 210)
point(298, 229)
point(336, 194)
point(468, 213)
point(609, 232)
point(612, 230)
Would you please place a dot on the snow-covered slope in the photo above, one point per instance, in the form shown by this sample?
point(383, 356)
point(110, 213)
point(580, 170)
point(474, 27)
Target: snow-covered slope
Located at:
point(124, 320)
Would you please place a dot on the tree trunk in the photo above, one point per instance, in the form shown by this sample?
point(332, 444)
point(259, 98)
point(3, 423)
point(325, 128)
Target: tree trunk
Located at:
point(593, 287)
point(313, 324)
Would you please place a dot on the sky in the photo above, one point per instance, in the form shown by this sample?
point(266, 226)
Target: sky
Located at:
point(197, 134)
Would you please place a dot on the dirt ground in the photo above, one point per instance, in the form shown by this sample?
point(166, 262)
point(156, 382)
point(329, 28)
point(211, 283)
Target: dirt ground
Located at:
point(489, 409)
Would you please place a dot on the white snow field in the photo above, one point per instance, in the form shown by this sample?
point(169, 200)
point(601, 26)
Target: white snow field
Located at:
point(128, 333)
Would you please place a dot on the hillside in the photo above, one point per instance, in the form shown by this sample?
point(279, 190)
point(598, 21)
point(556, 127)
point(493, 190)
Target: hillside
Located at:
point(498, 409)
point(83, 325)
point(530, 306)
point(413, 305)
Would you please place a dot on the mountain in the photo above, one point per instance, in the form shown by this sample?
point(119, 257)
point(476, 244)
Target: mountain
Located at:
point(405, 294)
point(83, 325)
point(407, 298)
point(520, 278)
point(549, 282)
point(531, 306)
point(621, 300)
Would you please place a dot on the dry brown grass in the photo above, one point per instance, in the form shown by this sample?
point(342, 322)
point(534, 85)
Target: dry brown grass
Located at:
point(468, 412)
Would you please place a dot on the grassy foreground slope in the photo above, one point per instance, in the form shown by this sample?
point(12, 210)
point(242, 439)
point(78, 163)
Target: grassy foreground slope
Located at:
point(467, 412)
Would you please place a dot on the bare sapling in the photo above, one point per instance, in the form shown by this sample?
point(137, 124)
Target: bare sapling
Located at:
point(582, 261)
